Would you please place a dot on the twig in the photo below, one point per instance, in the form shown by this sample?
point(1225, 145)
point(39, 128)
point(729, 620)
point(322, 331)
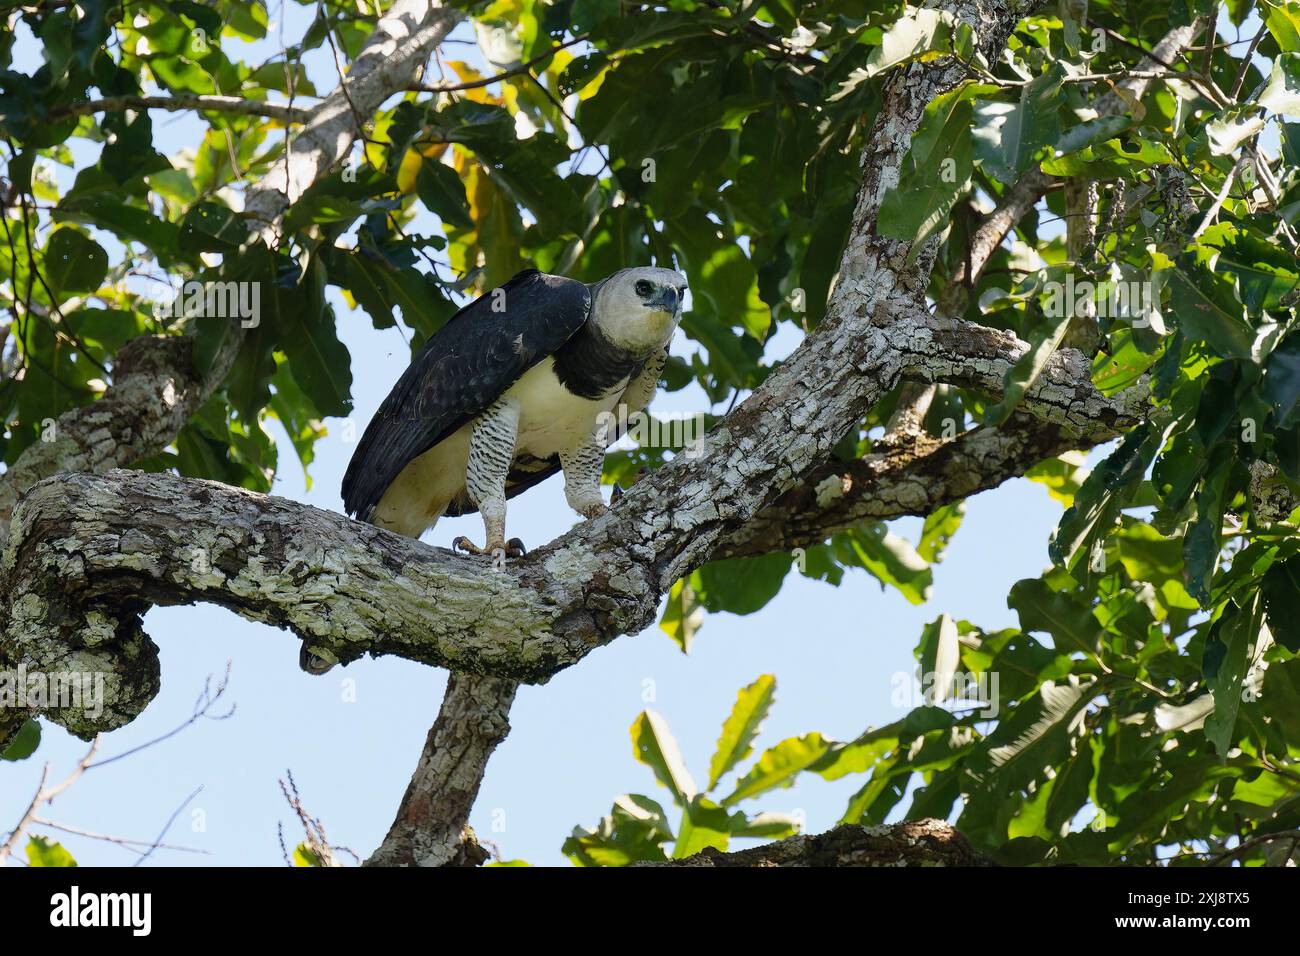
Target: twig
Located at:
point(524, 67)
point(202, 705)
point(184, 101)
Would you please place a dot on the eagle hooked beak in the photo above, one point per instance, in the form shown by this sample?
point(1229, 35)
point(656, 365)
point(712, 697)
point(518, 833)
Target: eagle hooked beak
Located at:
point(666, 300)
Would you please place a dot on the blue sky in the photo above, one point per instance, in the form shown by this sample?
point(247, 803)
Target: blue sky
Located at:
point(351, 738)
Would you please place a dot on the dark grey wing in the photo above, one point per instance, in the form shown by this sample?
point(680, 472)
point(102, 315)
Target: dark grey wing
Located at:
point(463, 368)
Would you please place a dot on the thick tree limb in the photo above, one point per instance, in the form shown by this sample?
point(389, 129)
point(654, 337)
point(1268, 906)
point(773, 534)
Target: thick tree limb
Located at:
point(430, 828)
point(926, 842)
point(89, 554)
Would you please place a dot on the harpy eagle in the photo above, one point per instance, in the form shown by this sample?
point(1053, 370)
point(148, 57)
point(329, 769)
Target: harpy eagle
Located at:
point(513, 388)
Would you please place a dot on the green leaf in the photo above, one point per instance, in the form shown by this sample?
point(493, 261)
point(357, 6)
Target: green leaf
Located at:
point(741, 727)
point(73, 262)
point(740, 585)
point(208, 227)
point(1232, 636)
point(1063, 475)
point(1281, 94)
point(24, 743)
point(1124, 157)
point(1091, 132)
point(1207, 307)
point(1054, 723)
point(887, 557)
point(1035, 122)
point(704, 824)
point(778, 766)
point(1105, 491)
point(1265, 272)
point(938, 530)
point(1283, 21)
point(1280, 589)
point(682, 614)
point(1201, 545)
point(769, 825)
point(920, 35)
point(654, 746)
point(1282, 382)
point(443, 193)
point(1060, 614)
point(1123, 365)
point(635, 829)
point(41, 852)
point(318, 361)
point(936, 170)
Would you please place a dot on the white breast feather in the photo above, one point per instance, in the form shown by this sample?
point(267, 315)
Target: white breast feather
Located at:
point(552, 418)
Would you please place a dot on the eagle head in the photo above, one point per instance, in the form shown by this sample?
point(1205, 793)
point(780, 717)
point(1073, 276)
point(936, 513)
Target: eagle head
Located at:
point(638, 309)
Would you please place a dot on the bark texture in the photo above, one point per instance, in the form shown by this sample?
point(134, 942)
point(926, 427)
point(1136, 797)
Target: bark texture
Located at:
point(430, 828)
point(927, 842)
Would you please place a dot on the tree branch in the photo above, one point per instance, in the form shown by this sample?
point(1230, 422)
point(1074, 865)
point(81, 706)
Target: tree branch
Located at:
point(430, 828)
point(927, 842)
point(89, 554)
point(186, 101)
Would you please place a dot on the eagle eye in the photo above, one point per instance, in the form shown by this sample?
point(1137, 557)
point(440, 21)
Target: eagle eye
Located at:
point(643, 287)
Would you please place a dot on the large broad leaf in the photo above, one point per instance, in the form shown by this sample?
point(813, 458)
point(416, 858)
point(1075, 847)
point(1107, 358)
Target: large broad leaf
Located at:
point(936, 171)
point(1283, 21)
point(24, 743)
point(740, 585)
point(1281, 592)
point(1052, 724)
point(1226, 660)
point(779, 766)
point(1105, 491)
point(1206, 305)
point(1282, 382)
point(654, 746)
point(919, 35)
point(1266, 273)
point(704, 824)
point(635, 829)
point(442, 191)
point(1126, 157)
point(1063, 615)
point(742, 726)
point(1035, 122)
point(73, 262)
point(938, 530)
point(682, 615)
point(208, 227)
point(1281, 94)
point(887, 557)
point(940, 652)
point(1201, 546)
point(320, 363)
